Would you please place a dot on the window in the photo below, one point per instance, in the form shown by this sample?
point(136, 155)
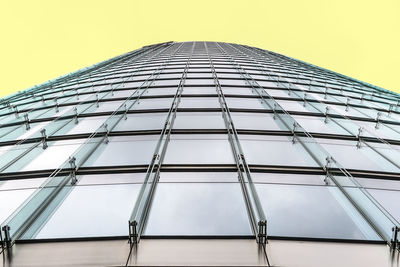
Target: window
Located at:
point(274, 150)
point(311, 211)
point(199, 149)
point(203, 120)
point(127, 150)
point(198, 209)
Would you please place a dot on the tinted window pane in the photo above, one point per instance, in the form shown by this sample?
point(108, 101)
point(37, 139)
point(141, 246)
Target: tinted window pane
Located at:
point(198, 209)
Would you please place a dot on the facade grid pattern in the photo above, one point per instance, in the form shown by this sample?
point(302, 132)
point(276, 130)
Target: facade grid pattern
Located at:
point(200, 140)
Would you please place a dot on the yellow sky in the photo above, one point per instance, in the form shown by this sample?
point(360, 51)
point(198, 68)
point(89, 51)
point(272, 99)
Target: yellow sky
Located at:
point(41, 40)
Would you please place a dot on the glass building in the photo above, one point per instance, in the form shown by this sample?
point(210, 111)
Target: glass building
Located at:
point(200, 153)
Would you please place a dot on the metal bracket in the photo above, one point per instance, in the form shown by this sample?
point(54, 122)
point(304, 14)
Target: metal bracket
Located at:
point(347, 104)
point(359, 142)
point(329, 160)
point(27, 125)
point(16, 111)
point(274, 110)
point(262, 232)
point(55, 100)
point(105, 126)
point(44, 138)
point(390, 109)
point(326, 114)
point(133, 235)
point(73, 170)
point(378, 116)
point(293, 132)
point(394, 242)
point(125, 113)
point(76, 115)
point(6, 243)
point(97, 100)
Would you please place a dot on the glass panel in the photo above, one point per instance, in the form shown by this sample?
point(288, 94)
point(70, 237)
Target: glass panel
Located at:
point(154, 103)
point(160, 91)
point(207, 177)
point(199, 149)
point(96, 210)
point(145, 121)
point(292, 105)
point(87, 125)
point(198, 209)
point(114, 178)
point(317, 125)
point(127, 150)
point(379, 183)
point(108, 106)
point(254, 121)
point(247, 103)
point(199, 91)
point(10, 200)
point(236, 91)
point(53, 156)
point(320, 212)
point(21, 184)
point(389, 200)
point(285, 178)
point(351, 157)
point(199, 120)
point(274, 150)
point(199, 102)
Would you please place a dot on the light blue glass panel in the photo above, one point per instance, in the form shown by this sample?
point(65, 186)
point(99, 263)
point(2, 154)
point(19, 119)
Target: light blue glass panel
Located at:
point(199, 102)
point(351, 157)
point(254, 121)
point(191, 209)
point(127, 150)
point(318, 125)
point(145, 121)
point(389, 199)
point(199, 120)
point(236, 91)
point(92, 211)
point(21, 184)
point(53, 156)
point(199, 149)
point(199, 91)
point(154, 103)
point(87, 125)
point(160, 91)
point(285, 178)
point(10, 200)
point(311, 211)
point(274, 150)
point(205, 177)
point(246, 103)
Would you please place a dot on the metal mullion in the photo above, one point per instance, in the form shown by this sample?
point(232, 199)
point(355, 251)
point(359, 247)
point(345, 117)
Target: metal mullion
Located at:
point(142, 206)
point(368, 214)
point(258, 227)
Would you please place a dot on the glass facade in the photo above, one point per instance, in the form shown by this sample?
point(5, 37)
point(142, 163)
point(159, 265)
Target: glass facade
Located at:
point(202, 140)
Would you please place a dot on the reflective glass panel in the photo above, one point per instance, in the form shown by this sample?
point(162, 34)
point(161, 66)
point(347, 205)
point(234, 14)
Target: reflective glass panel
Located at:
point(187, 209)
